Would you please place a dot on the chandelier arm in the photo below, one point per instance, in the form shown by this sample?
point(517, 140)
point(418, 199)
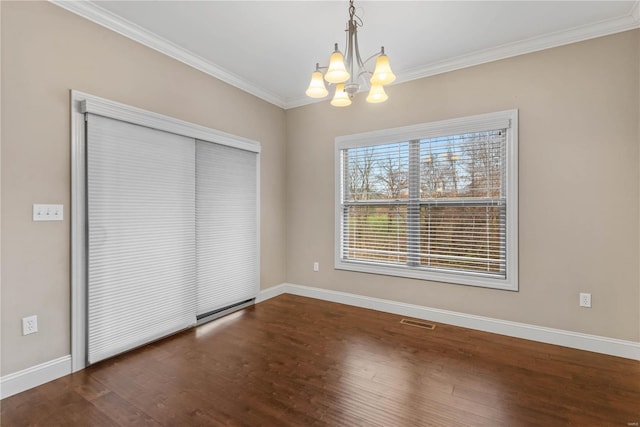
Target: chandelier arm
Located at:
point(358, 58)
point(364, 72)
point(319, 68)
point(351, 47)
point(347, 36)
point(375, 55)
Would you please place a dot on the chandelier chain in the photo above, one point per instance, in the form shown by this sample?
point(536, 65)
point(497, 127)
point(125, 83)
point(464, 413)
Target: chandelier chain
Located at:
point(353, 18)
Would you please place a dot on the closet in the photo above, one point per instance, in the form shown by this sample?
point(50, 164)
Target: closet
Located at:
point(171, 227)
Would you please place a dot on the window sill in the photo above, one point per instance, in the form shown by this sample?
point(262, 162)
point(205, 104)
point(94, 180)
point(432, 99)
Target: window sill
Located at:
point(467, 279)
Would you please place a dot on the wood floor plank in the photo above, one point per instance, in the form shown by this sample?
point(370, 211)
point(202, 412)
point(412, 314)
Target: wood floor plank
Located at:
point(122, 411)
point(294, 361)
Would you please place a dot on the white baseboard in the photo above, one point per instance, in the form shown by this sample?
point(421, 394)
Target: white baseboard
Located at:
point(34, 376)
point(577, 340)
point(271, 292)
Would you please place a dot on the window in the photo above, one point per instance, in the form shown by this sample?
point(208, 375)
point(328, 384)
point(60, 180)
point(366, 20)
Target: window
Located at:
point(436, 201)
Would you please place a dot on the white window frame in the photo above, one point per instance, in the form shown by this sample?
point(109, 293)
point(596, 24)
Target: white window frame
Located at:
point(478, 123)
point(82, 103)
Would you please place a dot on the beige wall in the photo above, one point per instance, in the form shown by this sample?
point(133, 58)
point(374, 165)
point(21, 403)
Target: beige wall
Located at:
point(578, 192)
point(46, 51)
point(579, 172)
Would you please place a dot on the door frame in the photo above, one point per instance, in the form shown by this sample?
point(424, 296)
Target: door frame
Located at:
point(82, 103)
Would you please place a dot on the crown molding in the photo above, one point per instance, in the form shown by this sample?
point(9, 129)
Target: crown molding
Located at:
point(113, 22)
point(635, 12)
point(629, 21)
point(97, 14)
point(301, 101)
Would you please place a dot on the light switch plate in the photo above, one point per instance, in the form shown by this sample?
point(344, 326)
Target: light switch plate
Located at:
point(48, 212)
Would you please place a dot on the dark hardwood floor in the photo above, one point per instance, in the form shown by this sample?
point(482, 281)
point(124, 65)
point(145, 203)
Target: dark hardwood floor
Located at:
point(294, 361)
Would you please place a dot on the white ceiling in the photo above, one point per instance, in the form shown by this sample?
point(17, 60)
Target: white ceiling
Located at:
point(269, 48)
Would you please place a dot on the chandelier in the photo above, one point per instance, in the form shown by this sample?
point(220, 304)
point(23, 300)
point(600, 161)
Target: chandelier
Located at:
point(348, 71)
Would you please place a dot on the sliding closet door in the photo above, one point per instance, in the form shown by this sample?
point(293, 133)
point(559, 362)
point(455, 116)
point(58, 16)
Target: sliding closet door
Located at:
point(226, 225)
point(141, 235)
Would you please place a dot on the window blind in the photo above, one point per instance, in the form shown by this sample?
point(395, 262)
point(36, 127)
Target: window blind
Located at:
point(226, 225)
point(141, 235)
point(428, 203)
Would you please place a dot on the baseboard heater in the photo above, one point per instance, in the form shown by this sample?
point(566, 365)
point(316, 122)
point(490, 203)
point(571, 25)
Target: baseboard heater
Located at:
point(216, 314)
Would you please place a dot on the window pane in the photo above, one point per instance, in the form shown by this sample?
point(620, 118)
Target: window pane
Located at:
point(467, 238)
point(377, 233)
point(469, 165)
point(377, 172)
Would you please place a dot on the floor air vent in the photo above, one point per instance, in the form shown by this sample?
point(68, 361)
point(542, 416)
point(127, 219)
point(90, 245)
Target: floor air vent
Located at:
point(418, 323)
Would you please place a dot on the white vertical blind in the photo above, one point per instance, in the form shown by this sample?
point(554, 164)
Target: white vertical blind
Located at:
point(141, 235)
point(226, 226)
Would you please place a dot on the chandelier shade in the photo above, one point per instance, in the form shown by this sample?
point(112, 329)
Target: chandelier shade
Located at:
point(316, 88)
point(341, 98)
point(337, 72)
point(382, 74)
point(348, 72)
point(377, 94)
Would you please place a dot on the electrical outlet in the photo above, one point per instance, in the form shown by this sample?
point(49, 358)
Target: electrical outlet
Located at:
point(29, 325)
point(585, 300)
point(316, 266)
